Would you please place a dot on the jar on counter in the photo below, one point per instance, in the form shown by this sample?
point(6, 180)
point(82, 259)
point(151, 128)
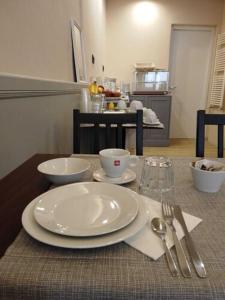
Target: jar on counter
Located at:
point(96, 103)
point(111, 106)
point(85, 100)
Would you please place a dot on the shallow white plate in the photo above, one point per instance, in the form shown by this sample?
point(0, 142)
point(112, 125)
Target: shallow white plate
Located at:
point(86, 208)
point(151, 123)
point(127, 176)
point(49, 238)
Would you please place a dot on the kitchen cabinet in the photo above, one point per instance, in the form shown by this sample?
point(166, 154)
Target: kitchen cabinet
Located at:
point(161, 105)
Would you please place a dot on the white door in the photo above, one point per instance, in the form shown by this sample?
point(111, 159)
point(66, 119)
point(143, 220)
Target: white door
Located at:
point(190, 65)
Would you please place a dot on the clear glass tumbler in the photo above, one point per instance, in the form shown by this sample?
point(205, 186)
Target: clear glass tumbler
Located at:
point(157, 177)
point(96, 103)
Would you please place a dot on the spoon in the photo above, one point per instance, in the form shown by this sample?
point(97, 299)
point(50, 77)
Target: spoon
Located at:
point(159, 228)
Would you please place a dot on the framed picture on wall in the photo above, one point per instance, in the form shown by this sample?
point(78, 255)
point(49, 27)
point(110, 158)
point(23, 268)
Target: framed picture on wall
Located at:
point(78, 53)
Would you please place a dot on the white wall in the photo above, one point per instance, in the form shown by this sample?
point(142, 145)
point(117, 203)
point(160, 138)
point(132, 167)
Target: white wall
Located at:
point(93, 20)
point(36, 37)
point(34, 125)
point(129, 40)
point(36, 41)
point(211, 131)
point(223, 19)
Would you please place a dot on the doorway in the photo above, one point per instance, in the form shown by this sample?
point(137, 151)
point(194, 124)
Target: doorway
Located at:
point(190, 65)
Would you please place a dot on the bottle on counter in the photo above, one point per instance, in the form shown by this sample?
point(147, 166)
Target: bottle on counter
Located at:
point(93, 88)
point(111, 105)
point(97, 97)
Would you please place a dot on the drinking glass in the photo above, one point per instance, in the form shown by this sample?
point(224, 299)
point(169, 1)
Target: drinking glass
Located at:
point(157, 177)
point(96, 103)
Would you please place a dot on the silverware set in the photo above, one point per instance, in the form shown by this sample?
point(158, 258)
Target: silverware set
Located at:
point(157, 181)
point(169, 213)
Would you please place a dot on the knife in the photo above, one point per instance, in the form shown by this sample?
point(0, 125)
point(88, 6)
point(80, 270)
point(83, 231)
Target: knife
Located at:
point(194, 255)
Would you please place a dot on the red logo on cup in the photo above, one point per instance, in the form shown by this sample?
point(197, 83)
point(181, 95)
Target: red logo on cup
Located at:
point(116, 162)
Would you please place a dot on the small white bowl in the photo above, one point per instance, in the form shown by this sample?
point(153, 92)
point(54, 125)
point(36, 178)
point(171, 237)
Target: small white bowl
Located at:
point(135, 104)
point(208, 181)
point(64, 170)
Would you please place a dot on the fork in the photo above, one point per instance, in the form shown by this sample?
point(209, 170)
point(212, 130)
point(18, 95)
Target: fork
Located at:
point(168, 215)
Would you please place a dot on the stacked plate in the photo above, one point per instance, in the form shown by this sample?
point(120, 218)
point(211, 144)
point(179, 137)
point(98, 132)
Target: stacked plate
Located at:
point(85, 215)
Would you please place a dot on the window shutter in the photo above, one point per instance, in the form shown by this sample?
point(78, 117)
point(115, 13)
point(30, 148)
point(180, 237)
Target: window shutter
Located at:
point(218, 80)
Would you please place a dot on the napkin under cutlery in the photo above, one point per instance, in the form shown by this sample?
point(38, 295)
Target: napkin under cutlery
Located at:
point(147, 242)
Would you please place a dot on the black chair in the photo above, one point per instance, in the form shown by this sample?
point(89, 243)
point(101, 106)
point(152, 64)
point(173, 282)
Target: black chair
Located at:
point(118, 119)
point(209, 119)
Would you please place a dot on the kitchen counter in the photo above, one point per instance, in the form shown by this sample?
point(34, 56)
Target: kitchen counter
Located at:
point(161, 105)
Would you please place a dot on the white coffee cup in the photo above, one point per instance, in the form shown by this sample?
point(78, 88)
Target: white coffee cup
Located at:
point(114, 161)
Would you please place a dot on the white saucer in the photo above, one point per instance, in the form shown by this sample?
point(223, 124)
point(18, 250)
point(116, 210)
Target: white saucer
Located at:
point(126, 177)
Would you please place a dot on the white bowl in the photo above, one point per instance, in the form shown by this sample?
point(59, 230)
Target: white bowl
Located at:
point(64, 170)
point(208, 181)
point(150, 116)
point(135, 104)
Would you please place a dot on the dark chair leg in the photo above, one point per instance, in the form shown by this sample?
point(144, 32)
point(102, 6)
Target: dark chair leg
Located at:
point(123, 138)
point(76, 132)
point(139, 133)
point(108, 134)
point(96, 139)
point(220, 141)
point(200, 134)
point(119, 138)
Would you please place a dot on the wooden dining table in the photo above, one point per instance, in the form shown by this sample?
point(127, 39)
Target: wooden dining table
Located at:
point(30, 269)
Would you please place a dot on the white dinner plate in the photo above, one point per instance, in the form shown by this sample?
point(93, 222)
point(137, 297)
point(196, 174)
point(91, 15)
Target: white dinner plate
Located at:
point(86, 208)
point(127, 176)
point(49, 238)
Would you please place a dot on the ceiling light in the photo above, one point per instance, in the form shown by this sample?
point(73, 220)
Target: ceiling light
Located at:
point(145, 12)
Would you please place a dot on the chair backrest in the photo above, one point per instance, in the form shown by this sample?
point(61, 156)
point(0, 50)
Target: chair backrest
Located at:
point(209, 119)
point(118, 119)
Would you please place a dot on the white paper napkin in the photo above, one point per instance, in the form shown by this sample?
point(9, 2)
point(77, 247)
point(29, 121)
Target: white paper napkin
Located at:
point(146, 240)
